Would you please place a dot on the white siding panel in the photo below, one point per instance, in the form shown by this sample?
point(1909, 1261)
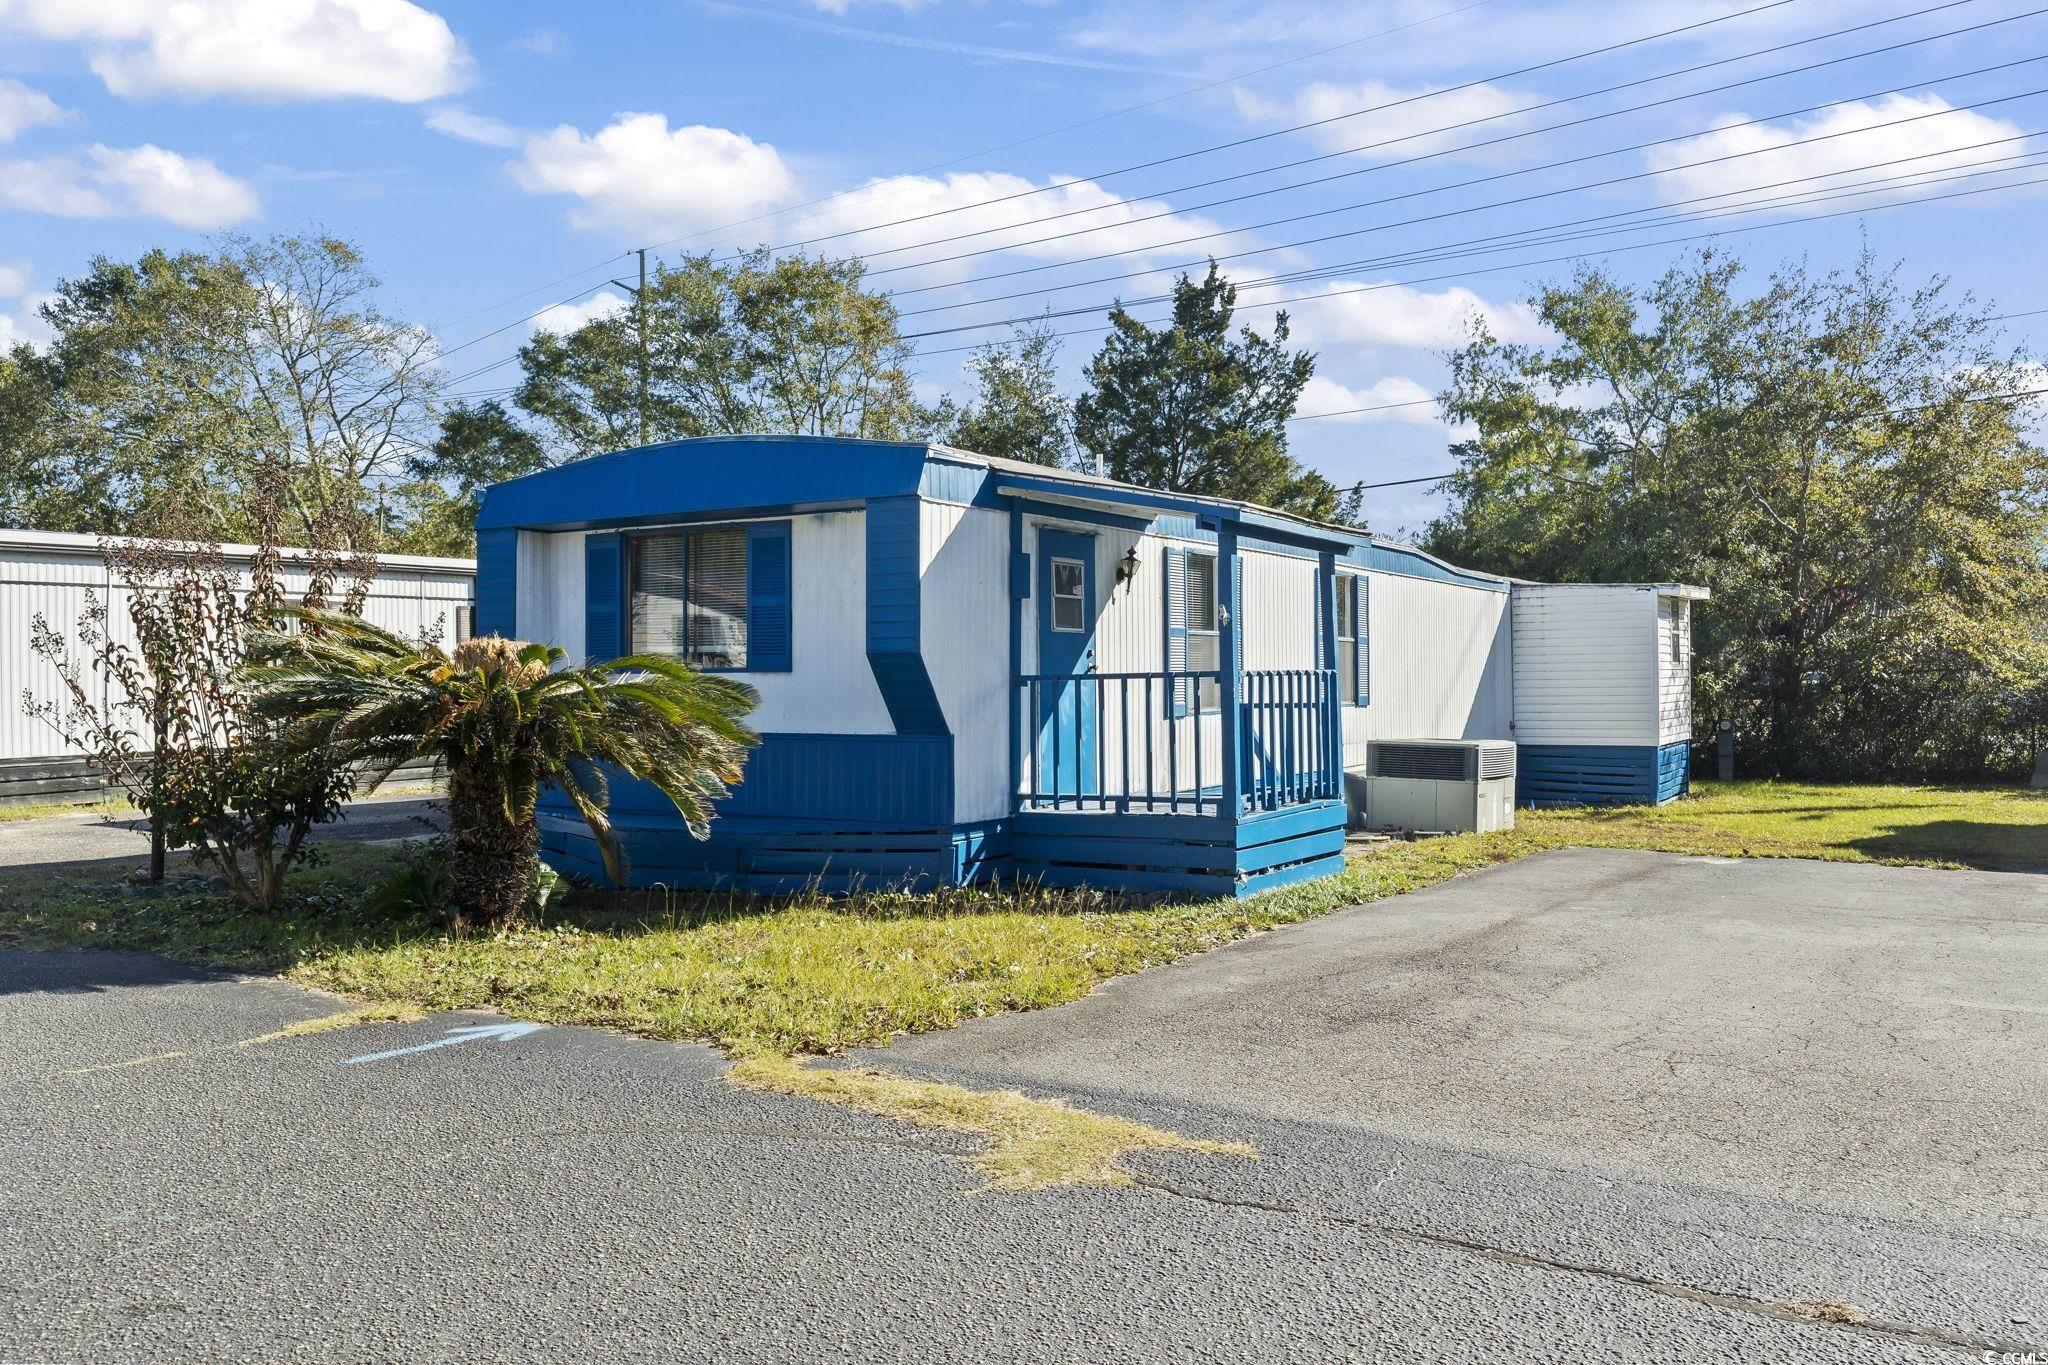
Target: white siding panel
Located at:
point(1442, 665)
point(1586, 667)
point(965, 595)
point(548, 583)
point(829, 689)
point(1674, 670)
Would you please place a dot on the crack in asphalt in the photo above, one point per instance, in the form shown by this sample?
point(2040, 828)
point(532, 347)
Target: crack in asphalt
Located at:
point(1782, 1311)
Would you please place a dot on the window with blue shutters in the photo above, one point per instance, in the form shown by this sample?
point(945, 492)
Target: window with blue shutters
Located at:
point(1193, 644)
point(719, 598)
point(1361, 669)
point(1347, 639)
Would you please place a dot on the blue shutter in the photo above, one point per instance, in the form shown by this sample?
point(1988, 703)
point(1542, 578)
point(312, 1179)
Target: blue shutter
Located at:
point(768, 598)
point(1176, 584)
point(1362, 622)
point(496, 589)
point(604, 596)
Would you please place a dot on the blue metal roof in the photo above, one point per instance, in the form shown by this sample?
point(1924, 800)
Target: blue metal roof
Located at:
point(710, 474)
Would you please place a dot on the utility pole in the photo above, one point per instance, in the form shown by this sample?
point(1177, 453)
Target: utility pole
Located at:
point(640, 331)
point(640, 296)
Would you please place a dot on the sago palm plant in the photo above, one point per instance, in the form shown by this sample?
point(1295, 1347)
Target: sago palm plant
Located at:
point(506, 718)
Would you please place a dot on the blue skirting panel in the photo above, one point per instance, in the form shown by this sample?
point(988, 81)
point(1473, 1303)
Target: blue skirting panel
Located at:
point(1601, 774)
point(868, 780)
point(843, 813)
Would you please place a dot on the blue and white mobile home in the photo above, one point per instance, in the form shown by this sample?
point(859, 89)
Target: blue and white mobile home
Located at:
point(972, 667)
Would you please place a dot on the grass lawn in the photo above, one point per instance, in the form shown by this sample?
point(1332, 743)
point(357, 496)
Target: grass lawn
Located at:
point(767, 979)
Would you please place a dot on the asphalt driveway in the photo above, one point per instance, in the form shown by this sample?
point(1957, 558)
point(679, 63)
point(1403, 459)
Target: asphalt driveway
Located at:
point(1555, 1111)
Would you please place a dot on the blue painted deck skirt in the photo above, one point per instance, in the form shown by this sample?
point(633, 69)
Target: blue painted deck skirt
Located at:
point(1602, 775)
point(842, 847)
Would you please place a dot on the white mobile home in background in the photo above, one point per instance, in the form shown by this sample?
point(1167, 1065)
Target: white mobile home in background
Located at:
point(51, 572)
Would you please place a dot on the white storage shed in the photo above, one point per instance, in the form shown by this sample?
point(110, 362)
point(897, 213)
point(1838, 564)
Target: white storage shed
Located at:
point(1603, 691)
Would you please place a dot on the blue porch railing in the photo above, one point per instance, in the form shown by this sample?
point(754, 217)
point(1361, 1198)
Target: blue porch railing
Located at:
point(1288, 735)
point(1153, 742)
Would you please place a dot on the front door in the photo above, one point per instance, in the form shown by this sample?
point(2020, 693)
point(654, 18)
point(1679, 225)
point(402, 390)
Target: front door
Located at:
point(1068, 764)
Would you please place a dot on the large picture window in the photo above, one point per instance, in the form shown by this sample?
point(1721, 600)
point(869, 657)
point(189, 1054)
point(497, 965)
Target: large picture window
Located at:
point(689, 597)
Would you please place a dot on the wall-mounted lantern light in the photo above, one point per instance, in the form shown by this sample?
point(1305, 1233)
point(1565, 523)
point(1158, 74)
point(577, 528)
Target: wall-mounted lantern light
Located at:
point(1127, 567)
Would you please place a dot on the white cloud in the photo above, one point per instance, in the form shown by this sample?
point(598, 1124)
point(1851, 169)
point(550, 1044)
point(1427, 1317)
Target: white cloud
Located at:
point(462, 124)
point(23, 107)
point(128, 182)
point(24, 325)
point(643, 177)
point(640, 175)
point(1102, 222)
point(564, 318)
point(1396, 36)
point(1398, 126)
point(264, 49)
point(1396, 315)
point(1397, 398)
point(13, 280)
point(540, 42)
point(1852, 142)
point(842, 7)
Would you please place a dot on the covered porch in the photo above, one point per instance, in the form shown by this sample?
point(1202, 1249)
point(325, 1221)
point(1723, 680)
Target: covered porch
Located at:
point(1179, 767)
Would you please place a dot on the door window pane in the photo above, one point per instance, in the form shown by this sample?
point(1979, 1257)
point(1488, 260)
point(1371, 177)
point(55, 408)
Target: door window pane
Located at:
point(1069, 595)
point(716, 565)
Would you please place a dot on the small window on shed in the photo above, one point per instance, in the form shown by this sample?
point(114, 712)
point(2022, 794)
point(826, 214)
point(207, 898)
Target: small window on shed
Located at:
point(462, 626)
point(1679, 623)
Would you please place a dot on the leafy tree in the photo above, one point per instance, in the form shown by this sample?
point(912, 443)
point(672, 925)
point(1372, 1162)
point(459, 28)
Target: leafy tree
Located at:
point(1831, 454)
point(753, 344)
point(172, 380)
point(478, 446)
point(168, 718)
point(1017, 411)
point(1196, 409)
point(507, 718)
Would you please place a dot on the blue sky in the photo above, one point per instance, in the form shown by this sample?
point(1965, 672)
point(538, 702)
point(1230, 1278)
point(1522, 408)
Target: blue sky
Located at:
point(481, 152)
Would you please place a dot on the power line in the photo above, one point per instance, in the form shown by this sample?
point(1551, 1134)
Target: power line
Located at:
point(1509, 242)
point(1435, 217)
point(1070, 127)
point(1315, 123)
point(1507, 266)
point(609, 261)
point(1397, 198)
point(1888, 412)
point(1485, 119)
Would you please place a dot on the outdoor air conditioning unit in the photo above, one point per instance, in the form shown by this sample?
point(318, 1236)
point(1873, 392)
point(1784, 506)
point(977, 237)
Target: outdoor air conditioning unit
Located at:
point(1440, 785)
